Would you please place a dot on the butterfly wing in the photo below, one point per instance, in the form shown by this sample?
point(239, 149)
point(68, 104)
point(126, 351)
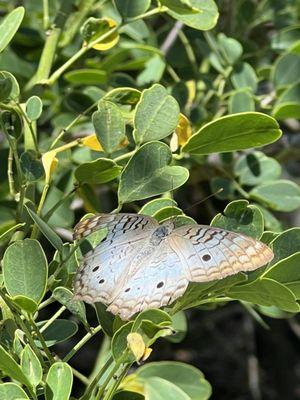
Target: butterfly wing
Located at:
point(105, 267)
point(158, 281)
point(209, 253)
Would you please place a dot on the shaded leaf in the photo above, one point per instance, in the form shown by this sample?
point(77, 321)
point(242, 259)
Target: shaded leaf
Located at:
point(241, 217)
point(101, 170)
point(148, 173)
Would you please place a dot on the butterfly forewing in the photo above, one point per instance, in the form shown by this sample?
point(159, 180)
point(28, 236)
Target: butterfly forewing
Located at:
point(103, 269)
point(210, 253)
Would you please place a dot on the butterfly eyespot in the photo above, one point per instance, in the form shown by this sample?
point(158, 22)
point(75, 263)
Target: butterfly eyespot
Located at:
point(96, 268)
point(101, 281)
point(159, 285)
point(127, 290)
point(206, 257)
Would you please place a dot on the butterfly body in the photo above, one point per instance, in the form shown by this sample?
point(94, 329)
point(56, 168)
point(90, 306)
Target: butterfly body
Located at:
point(142, 264)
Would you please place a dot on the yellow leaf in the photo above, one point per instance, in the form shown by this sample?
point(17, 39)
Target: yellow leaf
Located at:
point(132, 383)
point(136, 344)
point(183, 130)
point(111, 40)
point(191, 85)
point(147, 353)
point(92, 142)
point(49, 161)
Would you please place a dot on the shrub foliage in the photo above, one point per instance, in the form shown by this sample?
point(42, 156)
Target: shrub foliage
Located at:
point(115, 105)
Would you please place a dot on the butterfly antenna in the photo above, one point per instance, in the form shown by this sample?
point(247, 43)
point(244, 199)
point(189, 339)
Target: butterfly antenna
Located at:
point(203, 200)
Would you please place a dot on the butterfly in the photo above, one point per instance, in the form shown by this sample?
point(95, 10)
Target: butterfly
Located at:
point(142, 264)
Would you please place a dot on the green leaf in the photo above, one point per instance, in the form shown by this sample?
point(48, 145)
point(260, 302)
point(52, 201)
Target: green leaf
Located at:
point(286, 271)
point(286, 244)
point(14, 92)
point(234, 132)
point(148, 173)
point(244, 76)
point(119, 342)
point(8, 366)
point(105, 319)
point(65, 297)
point(25, 303)
point(99, 171)
point(11, 391)
point(59, 331)
point(109, 125)
point(196, 292)
point(59, 381)
point(153, 206)
point(32, 168)
point(46, 230)
point(241, 101)
point(34, 108)
point(180, 327)
point(124, 96)
point(287, 105)
point(9, 26)
point(186, 377)
point(153, 71)
point(127, 395)
point(205, 19)
point(31, 366)
point(156, 388)
point(241, 217)
point(156, 316)
point(286, 70)
point(5, 87)
point(167, 212)
point(86, 76)
point(25, 269)
point(281, 195)
point(180, 6)
point(271, 222)
point(256, 168)
point(132, 8)
point(7, 232)
point(285, 37)
point(63, 215)
point(156, 116)
point(230, 48)
point(266, 292)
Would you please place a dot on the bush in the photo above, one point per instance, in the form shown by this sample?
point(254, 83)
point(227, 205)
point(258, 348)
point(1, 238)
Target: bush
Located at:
point(106, 105)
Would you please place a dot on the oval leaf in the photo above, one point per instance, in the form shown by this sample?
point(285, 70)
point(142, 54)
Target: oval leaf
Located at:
point(59, 382)
point(25, 269)
point(203, 16)
point(109, 125)
point(281, 195)
point(156, 116)
point(11, 391)
point(234, 132)
point(34, 108)
point(10, 25)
